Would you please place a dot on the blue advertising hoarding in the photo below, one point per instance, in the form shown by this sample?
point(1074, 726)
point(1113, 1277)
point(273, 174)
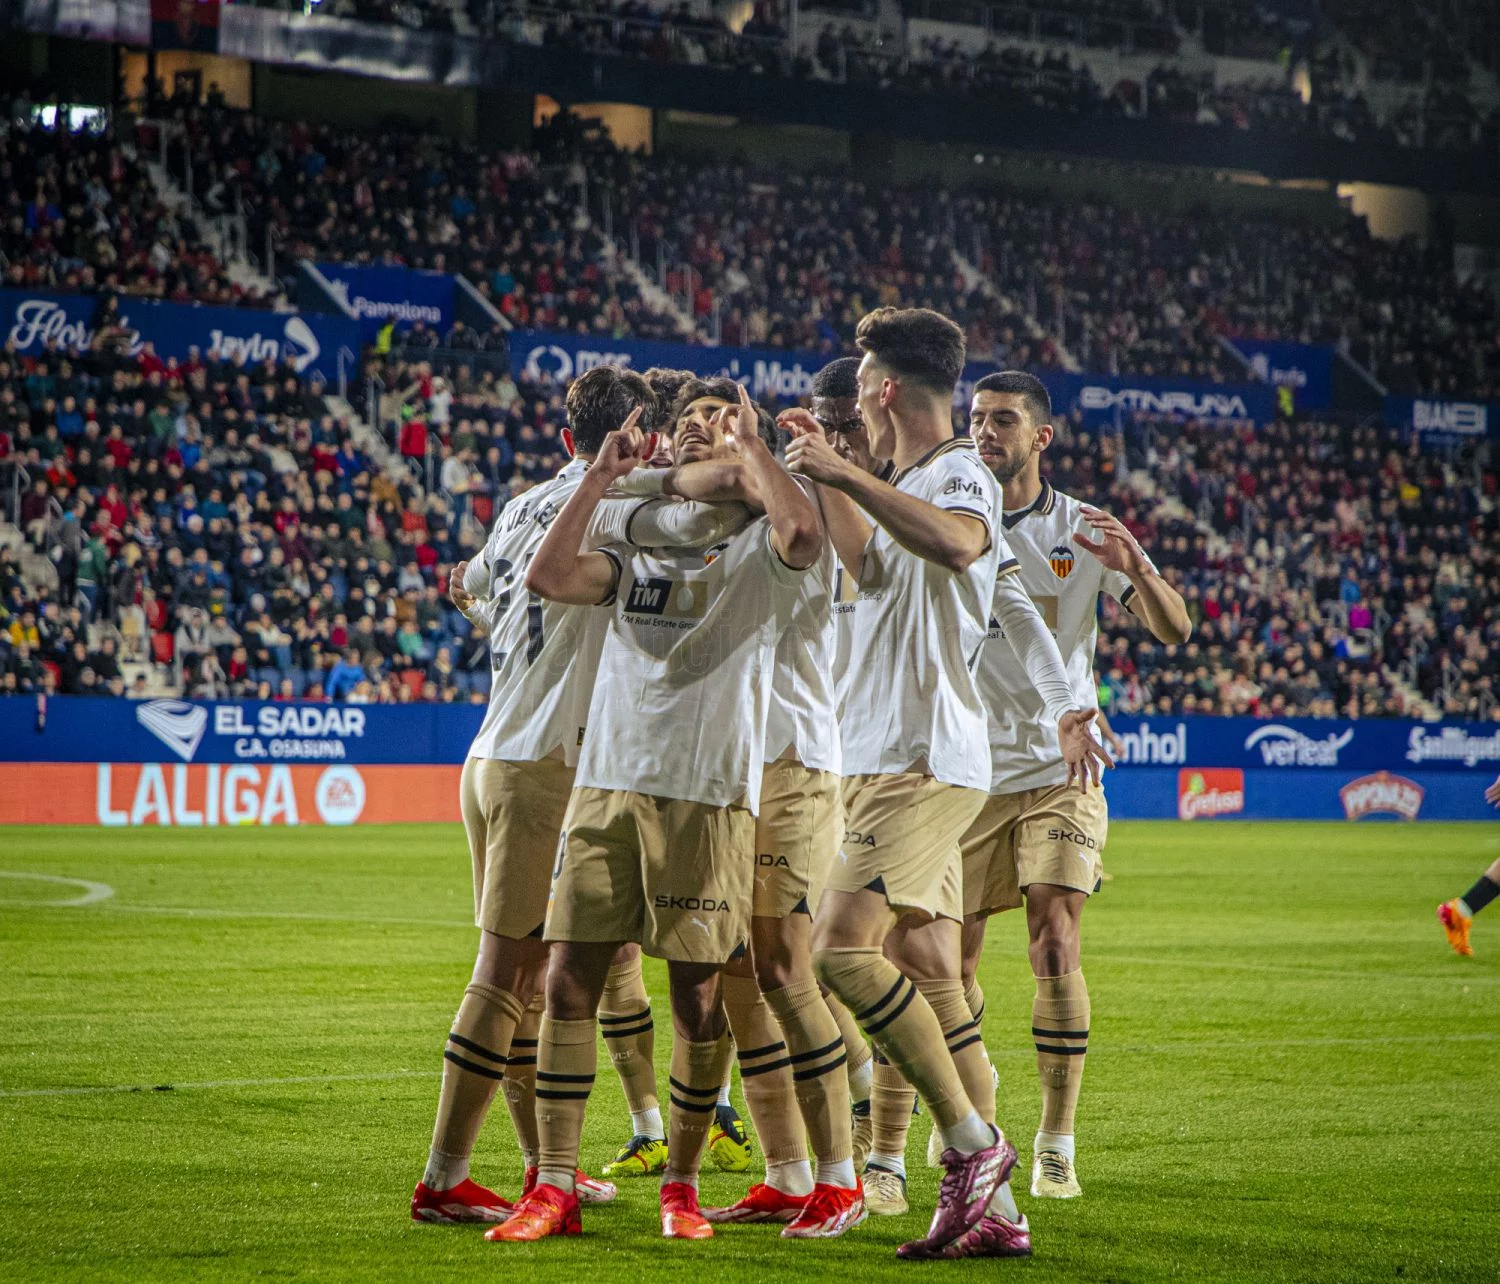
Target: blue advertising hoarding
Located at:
point(400, 294)
point(1442, 419)
point(1195, 768)
point(33, 319)
point(1305, 368)
point(1100, 400)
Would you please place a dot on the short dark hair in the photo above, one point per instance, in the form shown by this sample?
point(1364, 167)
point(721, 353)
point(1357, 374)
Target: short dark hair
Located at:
point(1028, 387)
point(667, 383)
point(725, 389)
point(838, 378)
point(917, 343)
point(600, 400)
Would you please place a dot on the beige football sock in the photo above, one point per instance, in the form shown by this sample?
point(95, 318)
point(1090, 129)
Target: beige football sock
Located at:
point(817, 1053)
point(1060, 1027)
point(630, 1038)
point(564, 1079)
point(765, 1071)
point(861, 1055)
point(697, 1073)
point(974, 997)
point(892, 1100)
point(473, 1066)
point(891, 1010)
point(520, 1080)
point(965, 1043)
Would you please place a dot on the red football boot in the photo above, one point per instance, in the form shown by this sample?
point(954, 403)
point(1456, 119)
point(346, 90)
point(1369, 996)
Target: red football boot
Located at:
point(543, 1211)
point(761, 1203)
point(830, 1211)
point(466, 1202)
point(681, 1218)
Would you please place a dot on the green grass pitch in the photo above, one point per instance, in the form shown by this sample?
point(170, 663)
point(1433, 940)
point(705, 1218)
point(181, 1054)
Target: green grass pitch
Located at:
point(1290, 1076)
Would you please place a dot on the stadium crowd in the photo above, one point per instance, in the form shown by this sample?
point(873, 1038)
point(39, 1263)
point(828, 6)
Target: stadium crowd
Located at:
point(217, 523)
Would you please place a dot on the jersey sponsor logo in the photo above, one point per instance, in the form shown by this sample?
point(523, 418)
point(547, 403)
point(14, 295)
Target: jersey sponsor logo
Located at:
point(177, 724)
point(1382, 794)
point(680, 599)
point(1452, 744)
point(1061, 560)
point(1206, 792)
point(1075, 836)
point(707, 904)
point(765, 860)
point(1282, 746)
point(856, 839)
point(958, 486)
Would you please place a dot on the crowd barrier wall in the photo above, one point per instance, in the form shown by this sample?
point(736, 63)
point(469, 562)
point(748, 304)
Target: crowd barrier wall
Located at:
point(78, 760)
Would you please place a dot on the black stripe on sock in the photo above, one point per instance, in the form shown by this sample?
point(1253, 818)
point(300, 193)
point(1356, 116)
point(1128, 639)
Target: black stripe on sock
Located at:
point(818, 1052)
point(1481, 894)
point(749, 1072)
point(524, 1043)
point(1040, 1033)
point(957, 1030)
point(885, 998)
point(815, 1072)
point(955, 1048)
point(630, 1033)
point(689, 1106)
point(477, 1049)
point(979, 1016)
point(695, 1092)
point(547, 1094)
point(548, 1076)
point(1059, 1051)
point(643, 1015)
point(521, 1061)
point(746, 1053)
point(485, 1071)
point(876, 1027)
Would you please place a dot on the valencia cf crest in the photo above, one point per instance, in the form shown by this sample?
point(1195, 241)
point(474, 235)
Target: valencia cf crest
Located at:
point(1060, 559)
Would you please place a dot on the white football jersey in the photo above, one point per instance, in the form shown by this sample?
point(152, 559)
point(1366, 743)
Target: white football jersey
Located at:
point(543, 654)
point(684, 681)
point(1065, 582)
point(911, 702)
point(802, 722)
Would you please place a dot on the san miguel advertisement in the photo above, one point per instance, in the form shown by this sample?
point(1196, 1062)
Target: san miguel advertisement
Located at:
point(76, 760)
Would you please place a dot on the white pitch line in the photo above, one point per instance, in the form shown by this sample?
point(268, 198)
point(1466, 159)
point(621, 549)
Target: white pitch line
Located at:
point(1133, 1049)
point(301, 916)
point(215, 1083)
point(93, 893)
point(1294, 969)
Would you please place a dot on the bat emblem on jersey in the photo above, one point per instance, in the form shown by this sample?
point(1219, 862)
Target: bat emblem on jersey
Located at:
point(1060, 559)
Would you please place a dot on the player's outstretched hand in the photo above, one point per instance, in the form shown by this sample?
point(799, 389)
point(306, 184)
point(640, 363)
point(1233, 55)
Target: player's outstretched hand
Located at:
point(810, 453)
point(624, 449)
point(1117, 547)
point(457, 594)
point(1086, 758)
point(1492, 794)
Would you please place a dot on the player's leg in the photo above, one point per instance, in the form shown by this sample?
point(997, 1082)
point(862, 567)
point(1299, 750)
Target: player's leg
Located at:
point(566, 1064)
point(700, 1059)
point(1058, 836)
point(1060, 1028)
point(629, 1032)
point(511, 813)
point(766, 1079)
point(859, 1068)
point(519, 1085)
point(1457, 914)
point(596, 904)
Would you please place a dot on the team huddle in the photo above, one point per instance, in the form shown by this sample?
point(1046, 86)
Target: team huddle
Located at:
point(794, 705)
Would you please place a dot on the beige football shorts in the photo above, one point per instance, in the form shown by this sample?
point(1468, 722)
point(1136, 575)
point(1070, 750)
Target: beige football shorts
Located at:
point(1053, 834)
point(513, 813)
point(675, 876)
point(901, 834)
point(796, 838)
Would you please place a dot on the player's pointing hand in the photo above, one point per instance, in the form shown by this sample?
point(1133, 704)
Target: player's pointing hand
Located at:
point(623, 449)
point(741, 423)
point(812, 455)
point(799, 422)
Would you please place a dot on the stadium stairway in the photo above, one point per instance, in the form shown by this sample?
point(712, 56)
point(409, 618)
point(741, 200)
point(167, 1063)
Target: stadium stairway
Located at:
point(974, 277)
point(36, 568)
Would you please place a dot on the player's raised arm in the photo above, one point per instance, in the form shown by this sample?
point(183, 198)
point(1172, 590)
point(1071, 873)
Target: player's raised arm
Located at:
point(796, 527)
point(848, 528)
point(1154, 600)
point(561, 570)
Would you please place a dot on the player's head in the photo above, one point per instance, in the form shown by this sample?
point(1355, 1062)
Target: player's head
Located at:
point(666, 383)
point(1010, 420)
point(835, 405)
point(601, 400)
point(913, 360)
point(696, 431)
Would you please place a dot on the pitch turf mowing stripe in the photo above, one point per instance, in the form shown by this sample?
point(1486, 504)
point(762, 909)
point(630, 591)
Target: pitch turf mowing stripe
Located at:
point(219, 1083)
